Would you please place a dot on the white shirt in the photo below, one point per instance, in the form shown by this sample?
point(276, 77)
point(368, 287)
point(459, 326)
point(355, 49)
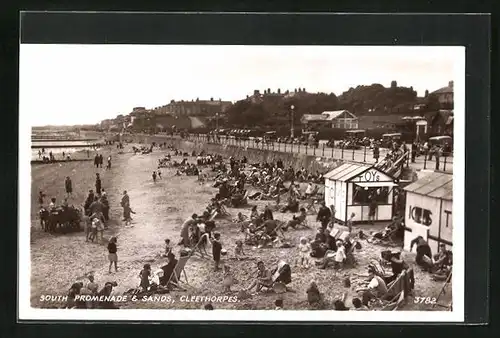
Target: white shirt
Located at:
point(373, 284)
point(340, 254)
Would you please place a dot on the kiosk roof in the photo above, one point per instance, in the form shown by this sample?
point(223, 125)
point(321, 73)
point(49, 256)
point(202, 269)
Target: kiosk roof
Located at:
point(437, 185)
point(346, 171)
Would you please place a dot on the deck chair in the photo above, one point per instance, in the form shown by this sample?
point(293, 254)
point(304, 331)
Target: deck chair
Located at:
point(340, 232)
point(313, 193)
point(197, 248)
point(311, 205)
point(175, 278)
point(303, 224)
point(280, 279)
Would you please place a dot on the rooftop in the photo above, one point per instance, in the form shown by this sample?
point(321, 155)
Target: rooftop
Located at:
point(435, 184)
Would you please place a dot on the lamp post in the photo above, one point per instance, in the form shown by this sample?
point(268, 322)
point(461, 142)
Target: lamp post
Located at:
point(216, 122)
point(292, 107)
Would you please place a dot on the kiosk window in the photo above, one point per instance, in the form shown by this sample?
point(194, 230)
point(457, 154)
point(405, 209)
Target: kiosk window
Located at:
point(364, 196)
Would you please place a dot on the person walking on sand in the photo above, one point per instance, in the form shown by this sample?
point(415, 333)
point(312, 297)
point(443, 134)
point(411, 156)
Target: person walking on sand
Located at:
point(69, 187)
point(108, 166)
point(154, 176)
point(125, 199)
point(112, 256)
point(98, 184)
point(101, 160)
point(96, 160)
point(127, 210)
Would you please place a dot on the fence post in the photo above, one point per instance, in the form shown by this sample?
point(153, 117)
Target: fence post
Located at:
point(291, 148)
point(323, 150)
point(444, 163)
point(425, 160)
point(307, 146)
point(299, 148)
point(342, 153)
point(353, 154)
point(285, 147)
point(364, 155)
point(332, 149)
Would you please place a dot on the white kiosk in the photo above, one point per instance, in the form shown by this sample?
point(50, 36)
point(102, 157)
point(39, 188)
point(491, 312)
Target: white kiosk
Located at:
point(351, 187)
point(428, 213)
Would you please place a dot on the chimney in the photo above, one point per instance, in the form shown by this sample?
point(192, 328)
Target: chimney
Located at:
point(211, 99)
point(450, 84)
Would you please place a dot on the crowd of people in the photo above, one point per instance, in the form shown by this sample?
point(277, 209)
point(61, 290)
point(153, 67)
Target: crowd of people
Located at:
point(330, 246)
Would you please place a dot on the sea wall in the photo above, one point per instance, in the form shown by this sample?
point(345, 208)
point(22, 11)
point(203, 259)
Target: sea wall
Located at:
point(296, 161)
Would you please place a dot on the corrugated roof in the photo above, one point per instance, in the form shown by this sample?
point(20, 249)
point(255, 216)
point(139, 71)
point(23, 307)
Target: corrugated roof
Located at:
point(346, 171)
point(437, 185)
point(331, 115)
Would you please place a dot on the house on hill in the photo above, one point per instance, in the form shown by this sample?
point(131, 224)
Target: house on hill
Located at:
point(342, 119)
point(440, 122)
point(445, 94)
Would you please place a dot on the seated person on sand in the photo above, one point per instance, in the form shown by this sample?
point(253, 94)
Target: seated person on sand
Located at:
point(168, 269)
point(292, 205)
point(338, 257)
point(267, 214)
point(314, 297)
point(228, 279)
point(309, 191)
point(296, 220)
point(319, 246)
point(263, 279)
point(424, 253)
point(239, 253)
point(376, 288)
point(443, 260)
point(269, 228)
point(272, 192)
point(397, 264)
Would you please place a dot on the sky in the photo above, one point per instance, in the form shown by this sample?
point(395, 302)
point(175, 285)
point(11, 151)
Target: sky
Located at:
point(84, 84)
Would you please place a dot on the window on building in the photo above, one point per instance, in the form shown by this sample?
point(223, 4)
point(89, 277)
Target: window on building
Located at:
point(364, 196)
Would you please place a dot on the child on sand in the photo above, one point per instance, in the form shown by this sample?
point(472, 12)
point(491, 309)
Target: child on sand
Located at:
point(229, 279)
point(144, 275)
point(304, 253)
point(159, 174)
point(216, 250)
point(238, 250)
point(112, 256)
point(168, 248)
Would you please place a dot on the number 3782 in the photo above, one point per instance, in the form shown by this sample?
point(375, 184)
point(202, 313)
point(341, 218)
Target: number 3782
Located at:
point(424, 300)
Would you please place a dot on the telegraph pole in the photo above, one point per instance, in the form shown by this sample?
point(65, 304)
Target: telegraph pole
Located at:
point(292, 107)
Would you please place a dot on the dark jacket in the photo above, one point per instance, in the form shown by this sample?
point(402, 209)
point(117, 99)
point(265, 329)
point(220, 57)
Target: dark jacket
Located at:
point(324, 213)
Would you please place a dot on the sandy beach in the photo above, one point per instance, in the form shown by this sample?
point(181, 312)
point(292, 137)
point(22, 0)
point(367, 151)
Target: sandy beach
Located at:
point(161, 207)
